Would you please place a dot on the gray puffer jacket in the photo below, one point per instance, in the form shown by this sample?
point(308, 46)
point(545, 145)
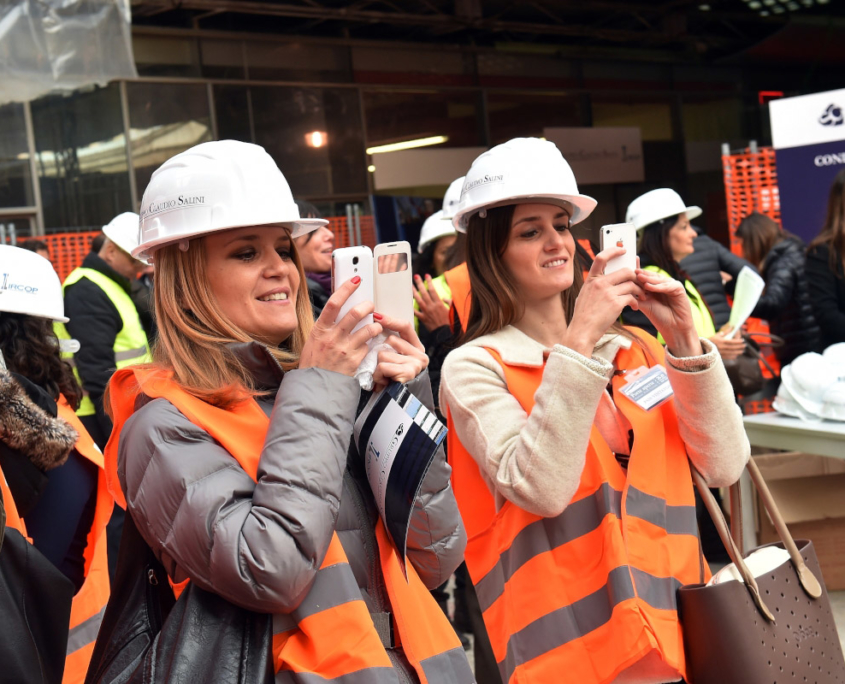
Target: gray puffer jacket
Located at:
point(260, 544)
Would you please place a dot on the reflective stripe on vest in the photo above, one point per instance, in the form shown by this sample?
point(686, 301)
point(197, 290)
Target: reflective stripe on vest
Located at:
point(331, 635)
point(591, 591)
point(701, 316)
point(89, 603)
point(458, 281)
point(130, 346)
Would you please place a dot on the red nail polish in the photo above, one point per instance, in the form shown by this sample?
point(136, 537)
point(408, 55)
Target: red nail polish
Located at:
point(356, 280)
point(377, 316)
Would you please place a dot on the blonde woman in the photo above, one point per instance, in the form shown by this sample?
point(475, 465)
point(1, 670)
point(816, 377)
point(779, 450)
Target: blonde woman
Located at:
point(232, 449)
point(573, 483)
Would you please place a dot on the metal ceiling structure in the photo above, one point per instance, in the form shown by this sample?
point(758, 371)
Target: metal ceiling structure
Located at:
point(696, 30)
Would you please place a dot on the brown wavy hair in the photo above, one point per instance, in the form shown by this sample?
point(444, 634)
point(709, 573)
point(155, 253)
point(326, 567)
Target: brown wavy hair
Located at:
point(494, 296)
point(193, 331)
point(31, 349)
point(759, 234)
point(833, 231)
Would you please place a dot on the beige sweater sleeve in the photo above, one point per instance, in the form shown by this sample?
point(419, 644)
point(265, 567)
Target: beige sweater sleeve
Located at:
point(709, 420)
point(533, 460)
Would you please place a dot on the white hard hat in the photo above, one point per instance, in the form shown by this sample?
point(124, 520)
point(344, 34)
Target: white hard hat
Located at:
point(521, 171)
point(833, 402)
point(216, 186)
point(656, 206)
point(433, 229)
point(452, 198)
point(807, 378)
point(122, 230)
point(835, 354)
point(786, 404)
point(29, 285)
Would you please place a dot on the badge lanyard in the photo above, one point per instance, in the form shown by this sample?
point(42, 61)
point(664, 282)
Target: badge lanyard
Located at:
point(648, 388)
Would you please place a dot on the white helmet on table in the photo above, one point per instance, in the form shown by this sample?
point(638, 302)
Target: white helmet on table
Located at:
point(29, 285)
point(433, 229)
point(835, 354)
point(657, 205)
point(216, 186)
point(786, 404)
point(807, 378)
point(452, 198)
point(833, 402)
point(521, 171)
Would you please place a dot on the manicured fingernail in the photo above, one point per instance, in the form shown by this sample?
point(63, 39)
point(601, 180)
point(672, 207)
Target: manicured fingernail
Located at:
point(377, 316)
point(356, 280)
point(417, 277)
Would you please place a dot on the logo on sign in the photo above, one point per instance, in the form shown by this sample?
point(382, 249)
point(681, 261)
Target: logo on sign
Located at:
point(832, 116)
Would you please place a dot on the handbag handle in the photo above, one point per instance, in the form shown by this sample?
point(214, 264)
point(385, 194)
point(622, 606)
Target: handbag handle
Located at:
point(735, 556)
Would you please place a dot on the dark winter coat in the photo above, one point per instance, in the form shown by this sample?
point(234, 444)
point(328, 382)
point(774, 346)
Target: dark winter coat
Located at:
point(319, 296)
point(703, 267)
point(95, 322)
point(260, 544)
point(785, 303)
point(827, 294)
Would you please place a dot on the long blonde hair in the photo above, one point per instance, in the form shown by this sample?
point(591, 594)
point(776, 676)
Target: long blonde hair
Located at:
point(194, 332)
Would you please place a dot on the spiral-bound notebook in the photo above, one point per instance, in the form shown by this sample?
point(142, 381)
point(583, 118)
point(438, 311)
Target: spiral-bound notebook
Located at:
point(397, 437)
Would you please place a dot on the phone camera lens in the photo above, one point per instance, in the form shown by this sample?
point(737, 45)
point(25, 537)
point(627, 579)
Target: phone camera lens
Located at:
point(354, 260)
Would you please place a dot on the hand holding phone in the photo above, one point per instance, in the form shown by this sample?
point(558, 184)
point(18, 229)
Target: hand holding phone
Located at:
point(347, 263)
point(622, 235)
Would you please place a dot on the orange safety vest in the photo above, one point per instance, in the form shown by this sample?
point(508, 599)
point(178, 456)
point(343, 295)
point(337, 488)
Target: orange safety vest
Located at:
point(331, 633)
point(588, 248)
point(458, 281)
point(89, 604)
point(590, 592)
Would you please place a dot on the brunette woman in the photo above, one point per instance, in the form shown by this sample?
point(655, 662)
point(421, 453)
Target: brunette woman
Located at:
point(825, 268)
point(575, 488)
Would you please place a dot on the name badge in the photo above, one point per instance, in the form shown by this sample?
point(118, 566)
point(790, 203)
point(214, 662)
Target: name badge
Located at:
point(648, 388)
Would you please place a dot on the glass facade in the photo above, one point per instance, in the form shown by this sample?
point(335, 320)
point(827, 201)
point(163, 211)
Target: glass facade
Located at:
point(318, 106)
point(81, 158)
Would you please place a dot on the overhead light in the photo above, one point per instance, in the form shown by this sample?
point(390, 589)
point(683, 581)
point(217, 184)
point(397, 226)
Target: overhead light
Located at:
point(316, 139)
point(755, 5)
point(764, 13)
point(408, 144)
point(704, 8)
point(823, 2)
point(792, 6)
point(807, 3)
point(371, 168)
point(778, 10)
point(769, 3)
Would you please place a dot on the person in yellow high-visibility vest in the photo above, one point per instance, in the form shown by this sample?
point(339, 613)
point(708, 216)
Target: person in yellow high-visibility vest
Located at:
point(106, 324)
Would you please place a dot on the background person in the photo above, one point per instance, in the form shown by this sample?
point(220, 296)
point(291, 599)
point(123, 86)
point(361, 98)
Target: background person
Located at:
point(315, 249)
point(54, 472)
point(825, 262)
point(785, 303)
point(714, 270)
point(543, 440)
point(38, 246)
point(254, 520)
point(666, 238)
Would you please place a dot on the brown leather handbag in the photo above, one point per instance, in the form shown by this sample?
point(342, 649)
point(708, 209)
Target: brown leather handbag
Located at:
point(776, 628)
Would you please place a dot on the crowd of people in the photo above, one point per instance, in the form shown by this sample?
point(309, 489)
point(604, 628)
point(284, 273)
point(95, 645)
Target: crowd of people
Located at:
point(195, 371)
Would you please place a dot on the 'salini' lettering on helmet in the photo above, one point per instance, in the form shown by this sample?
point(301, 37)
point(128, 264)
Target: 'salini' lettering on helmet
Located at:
point(179, 202)
point(486, 179)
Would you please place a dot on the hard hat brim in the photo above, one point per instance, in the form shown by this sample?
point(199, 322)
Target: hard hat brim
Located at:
point(787, 379)
point(20, 310)
point(583, 206)
point(692, 212)
point(298, 227)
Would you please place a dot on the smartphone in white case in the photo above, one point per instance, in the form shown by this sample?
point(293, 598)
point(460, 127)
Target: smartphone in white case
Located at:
point(347, 263)
point(620, 235)
point(394, 290)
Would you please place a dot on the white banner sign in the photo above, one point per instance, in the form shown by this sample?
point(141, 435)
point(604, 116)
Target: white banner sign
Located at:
point(601, 155)
point(808, 119)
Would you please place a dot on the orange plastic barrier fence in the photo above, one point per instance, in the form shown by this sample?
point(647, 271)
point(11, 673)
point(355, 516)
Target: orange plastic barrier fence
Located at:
point(67, 250)
point(751, 185)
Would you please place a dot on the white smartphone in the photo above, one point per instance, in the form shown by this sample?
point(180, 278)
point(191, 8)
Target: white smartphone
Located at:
point(620, 235)
point(394, 288)
point(347, 263)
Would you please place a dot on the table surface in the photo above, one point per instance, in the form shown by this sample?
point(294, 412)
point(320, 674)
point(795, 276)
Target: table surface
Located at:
point(776, 431)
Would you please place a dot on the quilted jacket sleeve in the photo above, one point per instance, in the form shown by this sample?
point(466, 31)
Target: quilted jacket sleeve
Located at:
point(436, 535)
point(257, 544)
